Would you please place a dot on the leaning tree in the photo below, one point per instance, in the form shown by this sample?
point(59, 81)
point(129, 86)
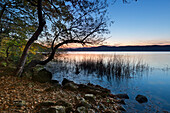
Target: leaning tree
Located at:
point(64, 22)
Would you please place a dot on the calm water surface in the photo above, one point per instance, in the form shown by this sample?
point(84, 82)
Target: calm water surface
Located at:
point(154, 83)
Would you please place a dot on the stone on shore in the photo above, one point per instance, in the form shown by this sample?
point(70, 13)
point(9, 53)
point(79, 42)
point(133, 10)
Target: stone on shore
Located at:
point(141, 99)
point(70, 86)
point(125, 96)
point(56, 109)
point(42, 76)
point(90, 97)
point(65, 81)
point(82, 109)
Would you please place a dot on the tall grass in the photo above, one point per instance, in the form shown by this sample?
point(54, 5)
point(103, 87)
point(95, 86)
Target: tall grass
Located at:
point(116, 66)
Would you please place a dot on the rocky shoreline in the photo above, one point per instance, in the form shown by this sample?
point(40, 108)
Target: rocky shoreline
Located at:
point(42, 95)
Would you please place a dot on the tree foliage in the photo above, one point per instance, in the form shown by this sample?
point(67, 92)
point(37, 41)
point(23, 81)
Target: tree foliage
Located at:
point(58, 21)
point(17, 19)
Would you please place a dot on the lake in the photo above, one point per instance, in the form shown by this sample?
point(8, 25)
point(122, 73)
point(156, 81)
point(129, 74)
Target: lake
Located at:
point(145, 73)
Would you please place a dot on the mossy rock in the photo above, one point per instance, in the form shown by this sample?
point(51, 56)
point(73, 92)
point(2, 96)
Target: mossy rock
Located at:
point(42, 76)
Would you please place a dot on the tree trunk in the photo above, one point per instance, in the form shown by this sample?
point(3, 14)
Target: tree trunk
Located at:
point(26, 49)
point(33, 63)
point(31, 40)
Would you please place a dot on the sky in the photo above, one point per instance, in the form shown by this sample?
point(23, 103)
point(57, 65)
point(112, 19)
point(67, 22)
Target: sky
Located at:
point(145, 22)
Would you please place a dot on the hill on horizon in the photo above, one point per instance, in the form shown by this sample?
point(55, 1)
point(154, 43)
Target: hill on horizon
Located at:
point(123, 48)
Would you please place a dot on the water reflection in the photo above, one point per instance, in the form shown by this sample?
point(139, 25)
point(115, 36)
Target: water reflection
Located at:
point(133, 73)
point(111, 66)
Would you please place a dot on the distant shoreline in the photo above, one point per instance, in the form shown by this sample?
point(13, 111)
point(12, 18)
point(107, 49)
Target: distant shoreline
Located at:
point(152, 48)
point(115, 51)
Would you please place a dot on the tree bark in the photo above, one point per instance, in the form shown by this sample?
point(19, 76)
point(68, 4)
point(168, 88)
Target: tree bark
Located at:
point(26, 49)
point(31, 40)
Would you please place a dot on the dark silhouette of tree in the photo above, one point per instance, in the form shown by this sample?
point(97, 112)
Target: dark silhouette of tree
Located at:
point(62, 22)
point(71, 21)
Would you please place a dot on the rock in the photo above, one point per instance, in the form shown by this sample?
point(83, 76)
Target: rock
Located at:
point(141, 99)
point(99, 88)
point(62, 103)
point(89, 89)
point(65, 81)
point(42, 76)
point(125, 96)
point(83, 102)
point(68, 106)
point(112, 95)
point(19, 103)
point(82, 109)
point(56, 109)
point(47, 103)
point(93, 89)
point(90, 97)
point(70, 86)
point(54, 82)
point(121, 102)
point(67, 84)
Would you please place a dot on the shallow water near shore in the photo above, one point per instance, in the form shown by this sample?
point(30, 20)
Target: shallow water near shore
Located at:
point(153, 81)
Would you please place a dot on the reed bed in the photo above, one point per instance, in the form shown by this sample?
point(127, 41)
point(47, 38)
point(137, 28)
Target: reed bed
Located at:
point(116, 66)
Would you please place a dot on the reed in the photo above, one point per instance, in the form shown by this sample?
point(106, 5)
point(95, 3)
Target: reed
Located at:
point(117, 66)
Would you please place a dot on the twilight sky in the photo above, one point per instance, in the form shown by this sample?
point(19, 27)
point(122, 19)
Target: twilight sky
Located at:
point(146, 22)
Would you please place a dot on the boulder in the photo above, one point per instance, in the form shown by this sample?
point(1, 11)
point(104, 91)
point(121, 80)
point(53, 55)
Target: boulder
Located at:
point(112, 95)
point(90, 97)
point(70, 86)
point(141, 99)
point(125, 96)
point(67, 84)
point(65, 81)
point(54, 81)
point(42, 76)
point(82, 109)
point(62, 103)
point(120, 101)
point(68, 106)
point(93, 89)
point(82, 102)
point(89, 89)
point(56, 109)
